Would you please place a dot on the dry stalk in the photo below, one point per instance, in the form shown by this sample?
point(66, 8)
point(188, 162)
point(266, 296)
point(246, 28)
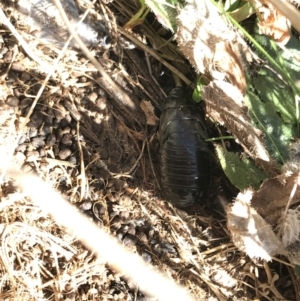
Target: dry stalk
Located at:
point(106, 247)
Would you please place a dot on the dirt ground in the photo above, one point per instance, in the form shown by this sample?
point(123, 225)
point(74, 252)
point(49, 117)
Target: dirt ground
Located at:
point(95, 145)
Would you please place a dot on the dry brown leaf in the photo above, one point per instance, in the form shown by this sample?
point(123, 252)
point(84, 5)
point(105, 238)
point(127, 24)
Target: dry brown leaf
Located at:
point(273, 23)
point(272, 197)
point(148, 109)
point(224, 103)
point(209, 43)
point(289, 230)
point(250, 233)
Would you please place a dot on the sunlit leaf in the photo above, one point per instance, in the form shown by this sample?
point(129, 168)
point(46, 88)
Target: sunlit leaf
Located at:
point(241, 172)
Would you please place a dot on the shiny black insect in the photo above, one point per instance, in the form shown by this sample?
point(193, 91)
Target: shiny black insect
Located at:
point(184, 153)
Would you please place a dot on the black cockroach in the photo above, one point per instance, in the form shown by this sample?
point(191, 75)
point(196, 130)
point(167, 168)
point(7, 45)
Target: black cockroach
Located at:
point(184, 153)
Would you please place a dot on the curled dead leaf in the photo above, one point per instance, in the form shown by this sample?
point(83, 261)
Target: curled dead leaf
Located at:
point(148, 109)
point(212, 47)
point(225, 104)
point(272, 23)
point(272, 197)
point(250, 233)
point(289, 232)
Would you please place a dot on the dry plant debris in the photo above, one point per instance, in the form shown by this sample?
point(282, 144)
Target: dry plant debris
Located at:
point(83, 140)
point(216, 50)
point(206, 40)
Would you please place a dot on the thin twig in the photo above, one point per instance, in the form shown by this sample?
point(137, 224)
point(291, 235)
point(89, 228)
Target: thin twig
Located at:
point(92, 59)
point(22, 42)
point(105, 246)
point(155, 55)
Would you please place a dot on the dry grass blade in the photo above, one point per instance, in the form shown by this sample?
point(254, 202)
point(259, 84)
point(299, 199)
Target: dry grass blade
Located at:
point(22, 42)
point(84, 140)
point(104, 246)
point(155, 55)
point(114, 87)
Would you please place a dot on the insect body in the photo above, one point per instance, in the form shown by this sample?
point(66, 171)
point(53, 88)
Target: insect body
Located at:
point(184, 153)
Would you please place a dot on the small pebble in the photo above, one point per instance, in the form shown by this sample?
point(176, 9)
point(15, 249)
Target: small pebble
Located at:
point(38, 141)
point(124, 215)
point(86, 205)
point(17, 66)
point(56, 123)
point(66, 130)
point(27, 168)
point(32, 156)
point(101, 103)
point(131, 229)
point(50, 112)
point(129, 240)
point(12, 101)
point(64, 153)
point(36, 120)
point(8, 56)
point(93, 96)
point(116, 223)
point(48, 121)
point(21, 148)
point(73, 160)
point(67, 139)
point(32, 132)
point(147, 257)
point(59, 135)
point(22, 139)
point(143, 237)
point(45, 130)
point(60, 112)
point(66, 121)
point(119, 237)
point(43, 152)
point(3, 51)
point(98, 209)
point(119, 184)
point(19, 158)
point(25, 76)
point(55, 150)
point(26, 102)
point(17, 93)
point(50, 140)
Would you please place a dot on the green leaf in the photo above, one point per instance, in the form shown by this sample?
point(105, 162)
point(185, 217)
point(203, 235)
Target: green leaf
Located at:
point(197, 93)
point(241, 172)
point(297, 270)
point(267, 113)
point(272, 96)
point(243, 12)
point(272, 90)
point(165, 12)
point(231, 5)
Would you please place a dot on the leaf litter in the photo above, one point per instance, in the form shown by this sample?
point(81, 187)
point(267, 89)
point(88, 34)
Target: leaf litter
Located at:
point(193, 249)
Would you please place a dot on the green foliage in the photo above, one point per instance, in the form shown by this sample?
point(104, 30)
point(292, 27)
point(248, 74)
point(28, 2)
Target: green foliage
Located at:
point(271, 97)
point(231, 5)
point(297, 270)
point(241, 172)
point(197, 94)
point(287, 58)
point(267, 118)
point(165, 11)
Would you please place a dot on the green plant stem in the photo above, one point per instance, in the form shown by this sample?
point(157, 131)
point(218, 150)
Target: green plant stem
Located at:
point(220, 138)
